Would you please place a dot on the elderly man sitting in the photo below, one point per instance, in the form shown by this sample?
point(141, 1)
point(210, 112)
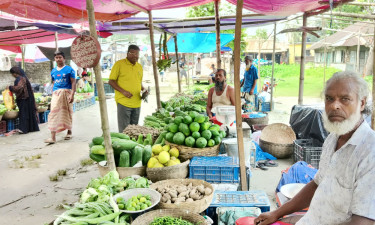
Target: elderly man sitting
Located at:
point(343, 190)
point(221, 94)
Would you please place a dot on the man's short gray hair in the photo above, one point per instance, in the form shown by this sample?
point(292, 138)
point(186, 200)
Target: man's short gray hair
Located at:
point(362, 90)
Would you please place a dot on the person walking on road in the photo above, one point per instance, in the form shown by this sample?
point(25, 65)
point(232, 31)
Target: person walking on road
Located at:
point(60, 117)
point(126, 78)
point(198, 67)
point(25, 101)
point(249, 84)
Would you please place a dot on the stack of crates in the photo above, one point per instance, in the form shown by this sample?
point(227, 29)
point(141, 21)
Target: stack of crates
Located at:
point(13, 124)
point(308, 150)
point(3, 127)
point(258, 199)
point(265, 106)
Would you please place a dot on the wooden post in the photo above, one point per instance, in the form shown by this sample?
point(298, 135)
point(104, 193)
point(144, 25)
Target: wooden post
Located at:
point(23, 49)
point(302, 66)
point(358, 50)
point(101, 94)
point(273, 64)
point(56, 41)
point(218, 44)
point(156, 78)
point(373, 86)
point(237, 94)
point(177, 64)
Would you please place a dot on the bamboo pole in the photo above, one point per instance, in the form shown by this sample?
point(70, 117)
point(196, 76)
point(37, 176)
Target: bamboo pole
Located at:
point(56, 41)
point(23, 56)
point(352, 15)
point(156, 78)
point(237, 94)
point(177, 64)
point(358, 50)
point(218, 44)
point(302, 66)
point(273, 64)
point(101, 94)
point(373, 86)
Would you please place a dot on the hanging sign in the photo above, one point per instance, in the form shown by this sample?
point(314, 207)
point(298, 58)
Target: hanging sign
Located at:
point(85, 51)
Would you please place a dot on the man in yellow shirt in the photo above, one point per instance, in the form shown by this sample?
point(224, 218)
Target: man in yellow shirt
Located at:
point(126, 78)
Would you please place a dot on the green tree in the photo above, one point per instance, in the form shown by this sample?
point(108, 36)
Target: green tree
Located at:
point(224, 9)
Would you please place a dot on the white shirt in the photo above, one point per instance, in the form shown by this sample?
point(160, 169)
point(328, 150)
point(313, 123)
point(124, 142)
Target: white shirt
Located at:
point(198, 67)
point(346, 180)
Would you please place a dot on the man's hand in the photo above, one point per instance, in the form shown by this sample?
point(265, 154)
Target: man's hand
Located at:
point(266, 218)
point(127, 94)
point(251, 92)
point(71, 98)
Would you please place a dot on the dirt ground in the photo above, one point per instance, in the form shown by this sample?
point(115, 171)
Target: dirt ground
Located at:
point(29, 197)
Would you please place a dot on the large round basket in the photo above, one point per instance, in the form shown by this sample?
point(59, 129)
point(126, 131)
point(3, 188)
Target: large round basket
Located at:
point(253, 121)
point(179, 171)
point(197, 206)
point(187, 215)
point(277, 139)
point(10, 115)
point(122, 171)
point(188, 153)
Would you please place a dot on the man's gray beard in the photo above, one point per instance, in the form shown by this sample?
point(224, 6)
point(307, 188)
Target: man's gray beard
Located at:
point(248, 66)
point(343, 127)
point(219, 86)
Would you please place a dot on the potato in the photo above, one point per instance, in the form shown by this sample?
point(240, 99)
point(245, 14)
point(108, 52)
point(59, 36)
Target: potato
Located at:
point(167, 196)
point(181, 189)
point(183, 194)
point(207, 191)
point(164, 199)
point(194, 196)
point(189, 200)
point(173, 193)
point(169, 201)
point(181, 199)
point(201, 189)
point(174, 199)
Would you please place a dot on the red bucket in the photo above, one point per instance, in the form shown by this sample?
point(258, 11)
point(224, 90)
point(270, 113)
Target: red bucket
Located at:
point(245, 221)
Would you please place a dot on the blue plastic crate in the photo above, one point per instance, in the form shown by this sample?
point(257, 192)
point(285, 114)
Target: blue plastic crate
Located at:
point(265, 106)
point(13, 124)
point(3, 126)
point(238, 199)
point(93, 100)
point(43, 117)
point(95, 90)
point(215, 169)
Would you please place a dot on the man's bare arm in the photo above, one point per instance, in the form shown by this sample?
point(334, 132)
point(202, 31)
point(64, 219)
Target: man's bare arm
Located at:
point(209, 103)
point(115, 85)
point(360, 220)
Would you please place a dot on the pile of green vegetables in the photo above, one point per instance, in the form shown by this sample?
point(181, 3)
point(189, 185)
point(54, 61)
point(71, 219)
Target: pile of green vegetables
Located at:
point(128, 153)
point(100, 189)
point(135, 203)
point(93, 213)
point(167, 220)
point(86, 89)
point(3, 109)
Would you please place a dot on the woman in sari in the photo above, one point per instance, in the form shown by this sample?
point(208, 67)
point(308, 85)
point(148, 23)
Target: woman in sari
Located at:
point(25, 101)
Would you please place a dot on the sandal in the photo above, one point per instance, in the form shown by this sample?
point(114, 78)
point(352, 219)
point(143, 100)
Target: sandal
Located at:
point(68, 137)
point(271, 163)
point(49, 141)
point(261, 166)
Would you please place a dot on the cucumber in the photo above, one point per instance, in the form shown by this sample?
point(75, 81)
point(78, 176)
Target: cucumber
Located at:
point(97, 158)
point(161, 136)
point(120, 135)
point(97, 149)
point(147, 153)
point(124, 159)
point(97, 140)
point(137, 153)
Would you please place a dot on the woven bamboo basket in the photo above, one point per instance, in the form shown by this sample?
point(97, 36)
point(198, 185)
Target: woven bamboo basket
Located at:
point(10, 115)
point(42, 109)
point(188, 153)
point(122, 171)
point(179, 171)
point(197, 206)
point(253, 121)
point(277, 139)
point(187, 215)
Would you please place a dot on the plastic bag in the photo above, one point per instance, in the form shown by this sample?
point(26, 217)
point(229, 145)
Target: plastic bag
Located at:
point(8, 99)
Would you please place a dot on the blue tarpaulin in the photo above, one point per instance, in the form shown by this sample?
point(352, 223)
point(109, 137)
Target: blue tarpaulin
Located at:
point(198, 42)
